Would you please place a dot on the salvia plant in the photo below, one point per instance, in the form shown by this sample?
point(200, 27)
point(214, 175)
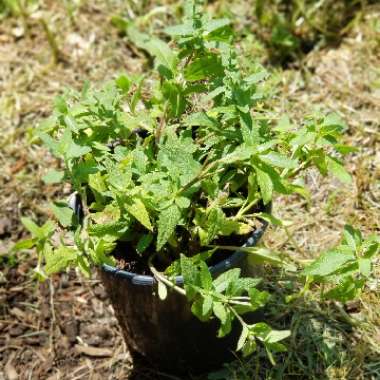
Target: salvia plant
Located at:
point(179, 167)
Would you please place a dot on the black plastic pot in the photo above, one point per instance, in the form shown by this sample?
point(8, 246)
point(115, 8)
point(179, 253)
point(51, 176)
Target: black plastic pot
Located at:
point(165, 332)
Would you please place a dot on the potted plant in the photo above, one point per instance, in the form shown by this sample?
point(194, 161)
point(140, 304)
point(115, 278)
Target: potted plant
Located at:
point(174, 175)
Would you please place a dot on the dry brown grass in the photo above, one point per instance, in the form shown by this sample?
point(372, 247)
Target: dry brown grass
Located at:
point(345, 79)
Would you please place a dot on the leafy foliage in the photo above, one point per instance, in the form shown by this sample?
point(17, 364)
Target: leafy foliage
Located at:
point(346, 267)
point(177, 163)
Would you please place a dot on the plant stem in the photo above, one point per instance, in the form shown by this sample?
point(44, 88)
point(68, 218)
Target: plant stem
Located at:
point(51, 40)
point(162, 278)
point(244, 208)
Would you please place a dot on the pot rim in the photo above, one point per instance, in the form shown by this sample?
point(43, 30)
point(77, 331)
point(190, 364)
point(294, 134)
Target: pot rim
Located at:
point(223, 266)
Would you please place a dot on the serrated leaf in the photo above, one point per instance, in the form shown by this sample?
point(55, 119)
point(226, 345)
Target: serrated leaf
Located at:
point(352, 237)
point(180, 30)
point(203, 67)
point(338, 170)
point(197, 310)
point(207, 306)
point(53, 176)
point(222, 282)
point(143, 243)
point(113, 229)
point(124, 83)
point(182, 202)
point(261, 255)
point(216, 24)
point(265, 183)
point(244, 284)
point(365, 266)
point(220, 312)
point(277, 335)
point(258, 298)
point(330, 261)
point(256, 77)
point(243, 337)
point(63, 213)
point(59, 259)
point(213, 221)
point(205, 276)
point(191, 277)
point(163, 54)
point(31, 227)
point(167, 221)
point(278, 160)
point(138, 210)
point(43, 232)
point(348, 289)
point(24, 244)
point(249, 346)
point(200, 119)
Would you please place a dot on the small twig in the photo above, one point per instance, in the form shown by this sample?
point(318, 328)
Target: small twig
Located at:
point(53, 316)
point(52, 41)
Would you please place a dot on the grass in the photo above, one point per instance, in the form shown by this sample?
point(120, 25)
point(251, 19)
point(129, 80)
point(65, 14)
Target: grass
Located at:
point(325, 343)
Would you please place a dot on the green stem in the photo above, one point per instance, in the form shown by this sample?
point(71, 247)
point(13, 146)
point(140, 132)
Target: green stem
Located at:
point(244, 208)
point(162, 278)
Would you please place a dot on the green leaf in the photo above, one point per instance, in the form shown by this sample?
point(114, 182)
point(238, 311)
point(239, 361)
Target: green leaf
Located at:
point(180, 30)
point(338, 170)
point(261, 255)
point(277, 335)
point(240, 285)
point(41, 233)
point(69, 149)
point(143, 243)
point(352, 237)
point(243, 337)
point(182, 202)
point(203, 67)
point(205, 276)
point(365, 266)
point(124, 83)
point(190, 276)
point(279, 160)
point(207, 306)
point(220, 312)
point(32, 227)
point(347, 290)
point(112, 229)
point(330, 261)
point(249, 346)
point(63, 213)
point(138, 210)
point(265, 183)
point(157, 48)
point(223, 281)
point(197, 310)
point(168, 220)
point(53, 176)
point(216, 24)
point(200, 119)
point(59, 259)
point(213, 221)
point(258, 298)
point(24, 244)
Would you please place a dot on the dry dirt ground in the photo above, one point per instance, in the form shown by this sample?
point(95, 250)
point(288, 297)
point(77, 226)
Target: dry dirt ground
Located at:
point(65, 328)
